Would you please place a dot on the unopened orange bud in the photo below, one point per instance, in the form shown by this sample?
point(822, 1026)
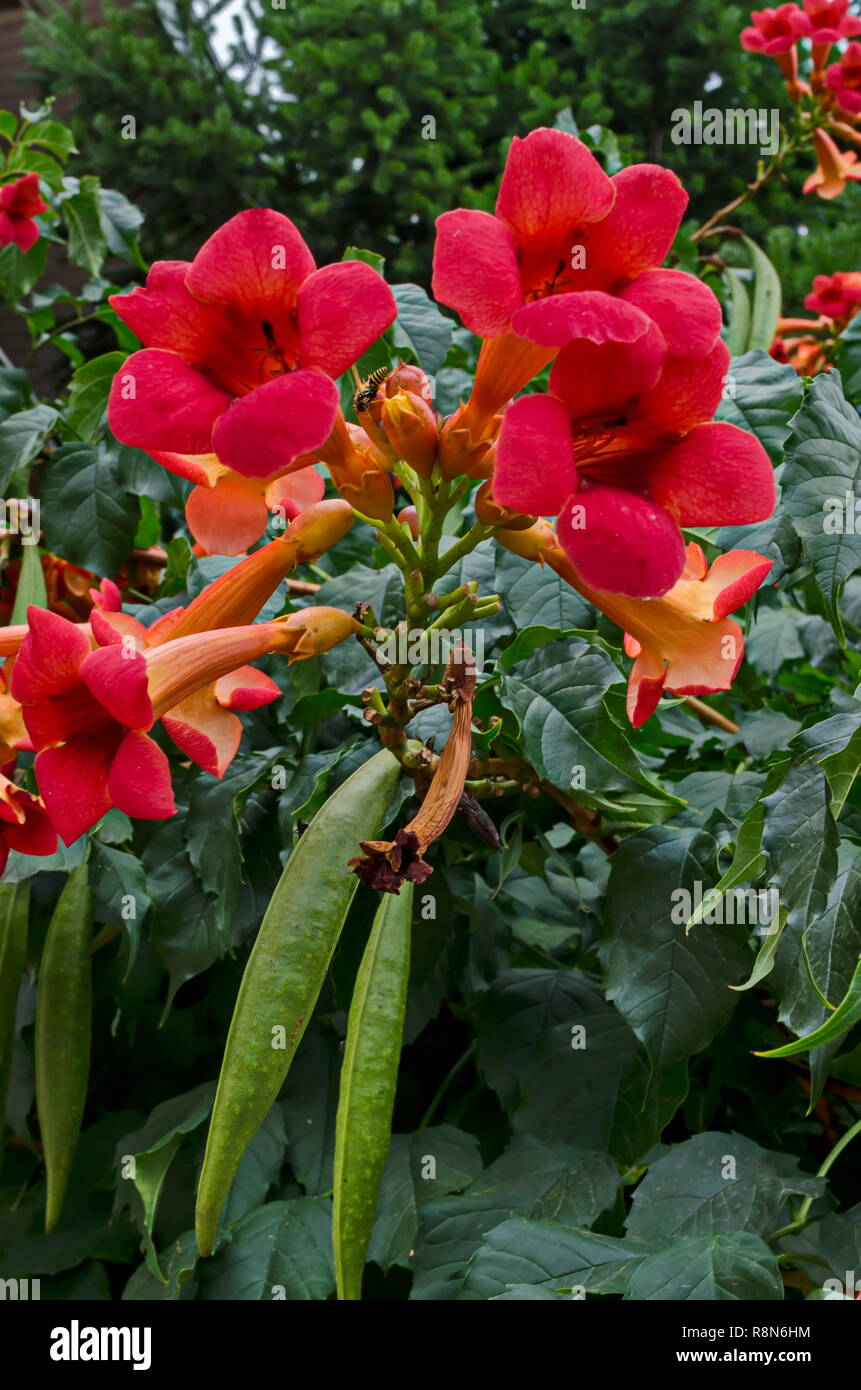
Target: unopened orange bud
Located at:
point(411, 430)
point(408, 516)
point(368, 489)
point(318, 630)
point(406, 377)
point(460, 452)
point(532, 544)
point(319, 527)
point(491, 514)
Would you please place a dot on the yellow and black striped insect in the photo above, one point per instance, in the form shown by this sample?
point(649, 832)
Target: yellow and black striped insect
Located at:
point(368, 390)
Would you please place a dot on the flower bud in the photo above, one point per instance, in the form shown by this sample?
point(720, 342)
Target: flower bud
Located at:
point(318, 528)
point(532, 544)
point(366, 488)
point(460, 452)
point(411, 430)
point(412, 379)
point(408, 516)
point(491, 514)
point(318, 630)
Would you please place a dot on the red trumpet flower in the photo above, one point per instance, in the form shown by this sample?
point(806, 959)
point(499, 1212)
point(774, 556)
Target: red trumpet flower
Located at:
point(20, 202)
point(242, 345)
point(623, 451)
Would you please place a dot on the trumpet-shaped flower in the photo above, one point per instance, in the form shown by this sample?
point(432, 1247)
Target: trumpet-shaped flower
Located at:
point(623, 450)
point(828, 21)
point(685, 642)
point(550, 264)
point(242, 345)
point(774, 32)
point(89, 710)
point(24, 823)
point(227, 512)
point(844, 78)
point(20, 203)
point(836, 297)
point(835, 168)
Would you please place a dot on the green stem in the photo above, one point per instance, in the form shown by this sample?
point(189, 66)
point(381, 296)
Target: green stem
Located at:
point(474, 536)
point(447, 1082)
point(824, 1168)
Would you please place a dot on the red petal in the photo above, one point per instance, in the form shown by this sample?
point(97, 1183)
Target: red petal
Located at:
point(158, 401)
point(49, 662)
point(139, 781)
point(271, 426)
point(601, 318)
point(341, 310)
point(534, 466)
point(734, 578)
point(203, 469)
point(645, 684)
point(116, 676)
point(255, 262)
point(36, 835)
point(22, 230)
point(205, 732)
point(23, 198)
point(639, 230)
point(164, 314)
point(475, 270)
point(686, 311)
point(718, 475)
point(687, 393)
point(551, 185)
point(246, 688)
point(73, 781)
point(621, 543)
point(596, 379)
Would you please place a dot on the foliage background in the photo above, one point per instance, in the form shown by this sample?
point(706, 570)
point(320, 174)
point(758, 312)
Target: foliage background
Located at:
point(555, 1166)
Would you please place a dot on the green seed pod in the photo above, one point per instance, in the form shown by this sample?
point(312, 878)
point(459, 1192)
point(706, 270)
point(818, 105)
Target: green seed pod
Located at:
point(14, 911)
point(285, 973)
point(63, 1028)
point(368, 1081)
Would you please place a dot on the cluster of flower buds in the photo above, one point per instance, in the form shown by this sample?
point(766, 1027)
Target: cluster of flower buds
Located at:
point(808, 345)
point(828, 97)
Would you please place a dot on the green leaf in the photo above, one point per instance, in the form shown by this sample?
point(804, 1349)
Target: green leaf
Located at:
point(567, 730)
point(713, 1184)
point(452, 1228)
point(83, 217)
point(52, 135)
point(372, 258)
point(767, 296)
point(820, 484)
point(282, 1251)
point(845, 1016)
point(544, 1254)
point(738, 334)
point(420, 1168)
point(88, 394)
point(421, 327)
point(800, 841)
point(22, 437)
point(536, 597)
point(728, 1267)
point(761, 396)
point(31, 584)
point(652, 968)
point(87, 518)
point(566, 1065)
point(145, 1156)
